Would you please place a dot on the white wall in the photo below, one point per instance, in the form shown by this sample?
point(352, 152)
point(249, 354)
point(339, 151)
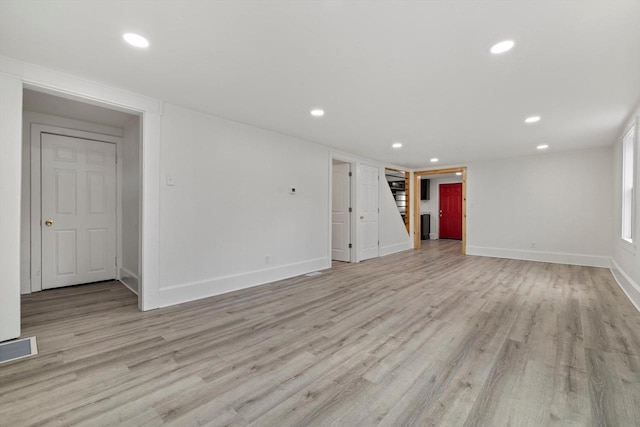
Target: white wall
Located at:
point(554, 207)
point(626, 257)
point(230, 206)
point(29, 118)
point(10, 147)
point(130, 204)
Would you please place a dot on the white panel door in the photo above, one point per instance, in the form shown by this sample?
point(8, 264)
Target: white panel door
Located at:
point(340, 219)
point(78, 211)
point(368, 212)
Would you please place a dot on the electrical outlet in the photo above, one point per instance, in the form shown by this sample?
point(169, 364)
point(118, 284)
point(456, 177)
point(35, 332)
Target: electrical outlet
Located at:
point(533, 245)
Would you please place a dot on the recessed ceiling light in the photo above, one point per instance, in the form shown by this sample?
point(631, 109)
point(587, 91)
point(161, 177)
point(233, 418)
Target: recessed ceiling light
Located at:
point(396, 144)
point(502, 47)
point(317, 112)
point(434, 160)
point(532, 119)
point(542, 147)
point(135, 40)
point(458, 173)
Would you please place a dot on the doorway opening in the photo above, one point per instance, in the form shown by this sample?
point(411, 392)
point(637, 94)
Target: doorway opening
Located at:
point(400, 185)
point(445, 220)
point(80, 194)
point(341, 211)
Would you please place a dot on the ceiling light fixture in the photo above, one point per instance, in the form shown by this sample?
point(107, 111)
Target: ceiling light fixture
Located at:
point(502, 47)
point(317, 112)
point(532, 119)
point(135, 40)
point(396, 145)
point(542, 147)
point(434, 160)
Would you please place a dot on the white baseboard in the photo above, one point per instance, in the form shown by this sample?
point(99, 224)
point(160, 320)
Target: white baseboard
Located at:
point(628, 286)
point(25, 284)
point(129, 279)
point(397, 247)
point(552, 257)
point(220, 285)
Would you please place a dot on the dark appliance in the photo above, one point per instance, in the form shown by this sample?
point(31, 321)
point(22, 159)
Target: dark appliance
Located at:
point(425, 226)
point(424, 189)
point(396, 185)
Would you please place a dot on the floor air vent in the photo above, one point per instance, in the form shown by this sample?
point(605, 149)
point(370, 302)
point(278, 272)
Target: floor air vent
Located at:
point(18, 349)
point(313, 273)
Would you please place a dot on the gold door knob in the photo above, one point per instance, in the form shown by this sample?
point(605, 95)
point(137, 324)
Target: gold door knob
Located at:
point(361, 216)
point(48, 223)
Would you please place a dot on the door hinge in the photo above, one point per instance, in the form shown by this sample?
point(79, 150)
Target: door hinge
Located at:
point(350, 246)
point(116, 259)
point(116, 158)
point(378, 242)
point(350, 210)
point(350, 173)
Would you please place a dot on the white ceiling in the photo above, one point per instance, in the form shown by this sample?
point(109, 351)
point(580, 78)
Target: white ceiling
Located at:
point(39, 102)
point(416, 72)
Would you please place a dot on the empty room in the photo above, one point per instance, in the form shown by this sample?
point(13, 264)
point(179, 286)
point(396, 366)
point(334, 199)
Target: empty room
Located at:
point(319, 213)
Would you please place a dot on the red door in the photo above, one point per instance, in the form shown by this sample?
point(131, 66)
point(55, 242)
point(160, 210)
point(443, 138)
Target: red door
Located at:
point(451, 211)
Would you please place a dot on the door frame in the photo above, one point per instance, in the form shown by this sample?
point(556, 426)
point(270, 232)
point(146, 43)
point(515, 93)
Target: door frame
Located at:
point(417, 243)
point(56, 83)
point(36, 194)
point(353, 251)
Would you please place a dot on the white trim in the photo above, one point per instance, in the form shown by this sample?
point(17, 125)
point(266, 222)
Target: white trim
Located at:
point(352, 222)
point(36, 230)
point(539, 256)
point(149, 250)
point(127, 278)
point(634, 191)
point(630, 288)
point(395, 248)
point(220, 285)
point(11, 201)
point(56, 82)
point(68, 86)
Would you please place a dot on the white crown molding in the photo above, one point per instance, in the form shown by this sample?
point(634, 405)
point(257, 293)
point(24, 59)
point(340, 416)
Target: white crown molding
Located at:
point(58, 83)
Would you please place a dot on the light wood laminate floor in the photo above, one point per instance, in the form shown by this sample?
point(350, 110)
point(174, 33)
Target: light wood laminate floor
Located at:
point(426, 337)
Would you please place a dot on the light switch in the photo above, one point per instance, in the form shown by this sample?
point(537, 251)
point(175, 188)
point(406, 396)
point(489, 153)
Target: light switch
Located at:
point(170, 180)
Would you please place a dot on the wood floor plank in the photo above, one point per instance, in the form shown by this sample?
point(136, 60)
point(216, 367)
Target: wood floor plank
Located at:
point(426, 337)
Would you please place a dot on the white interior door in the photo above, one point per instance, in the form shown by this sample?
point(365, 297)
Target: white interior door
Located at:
point(368, 212)
point(78, 211)
point(340, 218)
